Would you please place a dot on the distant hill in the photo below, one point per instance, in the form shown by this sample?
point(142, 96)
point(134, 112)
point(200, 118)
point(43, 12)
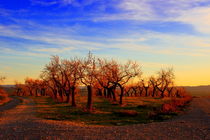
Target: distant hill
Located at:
point(8, 88)
point(198, 90)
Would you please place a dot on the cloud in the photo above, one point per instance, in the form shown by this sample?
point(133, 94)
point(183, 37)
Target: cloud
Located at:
point(54, 50)
point(21, 53)
point(41, 42)
point(75, 3)
point(168, 44)
point(48, 42)
point(4, 12)
point(47, 35)
point(141, 39)
point(44, 3)
point(128, 10)
point(198, 17)
point(136, 8)
point(191, 12)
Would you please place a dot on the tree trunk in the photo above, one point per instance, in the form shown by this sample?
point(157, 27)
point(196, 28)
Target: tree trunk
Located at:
point(31, 93)
point(140, 92)
point(44, 92)
point(67, 97)
point(113, 94)
point(55, 94)
point(105, 92)
point(170, 91)
point(135, 92)
point(109, 95)
point(121, 95)
point(162, 94)
point(99, 92)
point(89, 103)
point(146, 91)
point(36, 92)
point(73, 103)
point(61, 94)
point(153, 91)
point(18, 92)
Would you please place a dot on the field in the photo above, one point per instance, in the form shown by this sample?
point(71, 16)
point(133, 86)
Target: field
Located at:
point(198, 90)
point(136, 110)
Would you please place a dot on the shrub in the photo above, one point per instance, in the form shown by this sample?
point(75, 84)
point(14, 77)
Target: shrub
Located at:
point(3, 97)
point(168, 108)
point(175, 104)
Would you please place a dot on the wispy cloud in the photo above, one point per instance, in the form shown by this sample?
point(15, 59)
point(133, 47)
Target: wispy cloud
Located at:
point(44, 3)
point(53, 50)
point(59, 43)
point(198, 17)
point(191, 12)
point(64, 2)
point(21, 53)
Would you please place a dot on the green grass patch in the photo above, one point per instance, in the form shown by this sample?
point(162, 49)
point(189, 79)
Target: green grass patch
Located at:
point(136, 110)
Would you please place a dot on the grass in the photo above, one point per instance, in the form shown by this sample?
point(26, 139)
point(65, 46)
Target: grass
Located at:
point(136, 110)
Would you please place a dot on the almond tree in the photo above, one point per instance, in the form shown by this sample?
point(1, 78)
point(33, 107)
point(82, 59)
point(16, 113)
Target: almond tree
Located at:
point(37, 86)
point(87, 76)
point(154, 83)
point(104, 77)
point(72, 75)
point(53, 71)
point(52, 86)
point(146, 86)
point(121, 74)
point(165, 80)
point(43, 87)
point(29, 84)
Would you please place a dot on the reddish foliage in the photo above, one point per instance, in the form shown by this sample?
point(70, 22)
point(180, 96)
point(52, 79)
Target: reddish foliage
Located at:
point(169, 107)
point(175, 104)
point(3, 97)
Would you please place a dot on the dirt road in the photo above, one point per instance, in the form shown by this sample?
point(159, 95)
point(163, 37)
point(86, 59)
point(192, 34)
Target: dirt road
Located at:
point(19, 122)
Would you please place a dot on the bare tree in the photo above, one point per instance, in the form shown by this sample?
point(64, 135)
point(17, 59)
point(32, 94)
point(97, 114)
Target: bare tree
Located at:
point(54, 72)
point(87, 76)
point(121, 74)
point(165, 80)
point(29, 83)
point(146, 86)
point(72, 75)
point(154, 83)
point(43, 87)
point(104, 78)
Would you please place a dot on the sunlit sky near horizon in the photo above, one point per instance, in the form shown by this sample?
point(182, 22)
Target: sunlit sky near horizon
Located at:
point(156, 33)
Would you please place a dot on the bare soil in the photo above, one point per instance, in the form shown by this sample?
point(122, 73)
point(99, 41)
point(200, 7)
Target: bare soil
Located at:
point(18, 121)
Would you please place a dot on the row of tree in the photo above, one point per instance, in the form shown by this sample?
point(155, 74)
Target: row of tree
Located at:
point(102, 77)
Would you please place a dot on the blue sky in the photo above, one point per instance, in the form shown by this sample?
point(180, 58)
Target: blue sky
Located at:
point(156, 33)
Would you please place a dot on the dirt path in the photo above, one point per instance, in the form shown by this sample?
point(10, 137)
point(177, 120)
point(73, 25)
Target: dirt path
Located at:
point(10, 105)
point(20, 123)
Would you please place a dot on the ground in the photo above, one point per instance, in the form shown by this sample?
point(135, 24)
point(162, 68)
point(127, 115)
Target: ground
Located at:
point(18, 121)
point(135, 110)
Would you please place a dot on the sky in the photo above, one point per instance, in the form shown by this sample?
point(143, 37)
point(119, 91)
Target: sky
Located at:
point(155, 33)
